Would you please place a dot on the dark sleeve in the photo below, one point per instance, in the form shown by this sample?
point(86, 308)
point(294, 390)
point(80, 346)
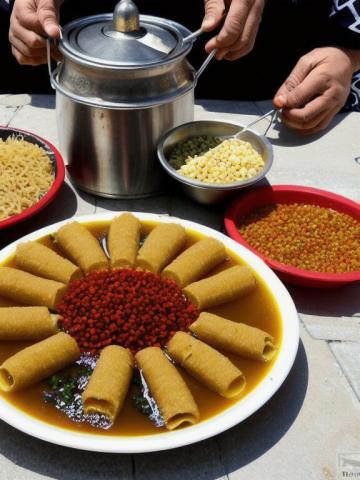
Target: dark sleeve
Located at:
point(345, 18)
point(5, 5)
point(345, 22)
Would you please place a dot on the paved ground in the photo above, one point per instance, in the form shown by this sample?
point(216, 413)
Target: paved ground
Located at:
point(310, 428)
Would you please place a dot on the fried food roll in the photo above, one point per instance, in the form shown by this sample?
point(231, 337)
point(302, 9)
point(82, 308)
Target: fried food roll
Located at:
point(27, 323)
point(172, 395)
point(38, 362)
point(234, 337)
point(29, 289)
point(82, 247)
point(223, 287)
point(161, 245)
point(109, 383)
point(7, 302)
point(206, 365)
point(195, 261)
point(41, 260)
point(123, 240)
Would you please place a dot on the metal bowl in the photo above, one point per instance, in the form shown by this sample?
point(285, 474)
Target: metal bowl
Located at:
point(209, 193)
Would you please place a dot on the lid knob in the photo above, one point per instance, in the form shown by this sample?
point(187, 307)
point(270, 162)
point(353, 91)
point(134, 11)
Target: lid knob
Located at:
point(126, 16)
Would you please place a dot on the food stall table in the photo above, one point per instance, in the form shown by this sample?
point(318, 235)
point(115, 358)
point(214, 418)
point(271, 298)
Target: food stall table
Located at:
point(310, 427)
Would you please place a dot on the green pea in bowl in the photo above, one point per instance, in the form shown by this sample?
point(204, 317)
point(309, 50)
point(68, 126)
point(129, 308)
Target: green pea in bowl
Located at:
point(205, 192)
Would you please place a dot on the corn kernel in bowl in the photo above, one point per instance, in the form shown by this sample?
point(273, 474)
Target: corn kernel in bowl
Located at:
point(231, 161)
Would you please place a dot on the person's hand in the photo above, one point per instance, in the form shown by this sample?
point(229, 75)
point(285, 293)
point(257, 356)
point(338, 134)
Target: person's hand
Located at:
point(316, 89)
point(30, 23)
point(238, 33)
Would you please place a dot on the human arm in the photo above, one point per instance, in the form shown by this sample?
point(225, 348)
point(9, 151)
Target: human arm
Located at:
point(317, 88)
point(31, 22)
point(238, 33)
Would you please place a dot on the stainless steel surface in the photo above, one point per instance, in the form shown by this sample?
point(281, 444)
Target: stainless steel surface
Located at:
point(112, 153)
point(126, 16)
point(94, 42)
point(124, 89)
point(120, 80)
point(209, 193)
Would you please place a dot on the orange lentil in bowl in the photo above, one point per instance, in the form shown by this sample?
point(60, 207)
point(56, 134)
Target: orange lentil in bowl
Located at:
point(305, 236)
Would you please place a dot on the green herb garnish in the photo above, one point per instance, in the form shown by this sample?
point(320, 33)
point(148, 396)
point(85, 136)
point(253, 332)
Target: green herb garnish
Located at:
point(64, 387)
point(142, 405)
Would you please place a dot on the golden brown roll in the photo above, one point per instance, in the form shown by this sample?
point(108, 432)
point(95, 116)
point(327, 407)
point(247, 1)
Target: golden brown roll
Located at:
point(38, 362)
point(82, 247)
point(223, 287)
point(206, 364)
point(27, 323)
point(109, 383)
point(7, 302)
point(195, 261)
point(41, 260)
point(234, 337)
point(123, 240)
point(161, 245)
point(173, 397)
point(25, 288)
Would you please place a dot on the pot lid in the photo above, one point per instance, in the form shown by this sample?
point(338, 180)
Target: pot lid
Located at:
point(124, 39)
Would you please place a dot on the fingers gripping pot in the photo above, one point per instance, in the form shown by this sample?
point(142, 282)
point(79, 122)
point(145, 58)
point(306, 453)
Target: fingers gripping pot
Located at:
point(123, 82)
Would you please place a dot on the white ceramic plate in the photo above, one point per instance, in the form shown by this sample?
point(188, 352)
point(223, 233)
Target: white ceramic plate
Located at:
point(217, 424)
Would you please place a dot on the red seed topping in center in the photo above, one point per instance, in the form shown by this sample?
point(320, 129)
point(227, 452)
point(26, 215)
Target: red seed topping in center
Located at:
point(124, 307)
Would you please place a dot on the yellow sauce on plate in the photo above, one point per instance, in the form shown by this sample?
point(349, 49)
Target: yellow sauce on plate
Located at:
point(258, 309)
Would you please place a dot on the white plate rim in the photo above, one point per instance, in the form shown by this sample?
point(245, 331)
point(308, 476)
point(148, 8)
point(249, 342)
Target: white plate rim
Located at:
point(206, 429)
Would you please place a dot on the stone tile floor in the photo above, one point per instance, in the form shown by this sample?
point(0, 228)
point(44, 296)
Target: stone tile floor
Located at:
point(312, 422)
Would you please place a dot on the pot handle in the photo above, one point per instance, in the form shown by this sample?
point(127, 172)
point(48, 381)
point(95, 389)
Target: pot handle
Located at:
point(48, 56)
point(205, 64)
point(192, 36)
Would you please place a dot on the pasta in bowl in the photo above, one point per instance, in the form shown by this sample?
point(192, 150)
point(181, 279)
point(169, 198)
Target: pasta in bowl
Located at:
point(169, 333)
point(31, 174)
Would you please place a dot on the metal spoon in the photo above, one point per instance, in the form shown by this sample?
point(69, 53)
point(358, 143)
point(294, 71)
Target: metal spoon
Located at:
point(274, 114)
point(242, 133)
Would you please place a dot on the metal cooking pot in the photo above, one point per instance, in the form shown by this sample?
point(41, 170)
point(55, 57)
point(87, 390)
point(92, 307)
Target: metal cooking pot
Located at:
point(123, 82)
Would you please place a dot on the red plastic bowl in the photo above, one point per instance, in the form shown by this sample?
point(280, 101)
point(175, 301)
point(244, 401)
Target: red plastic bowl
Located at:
point(59, 174)
point(261, 196)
